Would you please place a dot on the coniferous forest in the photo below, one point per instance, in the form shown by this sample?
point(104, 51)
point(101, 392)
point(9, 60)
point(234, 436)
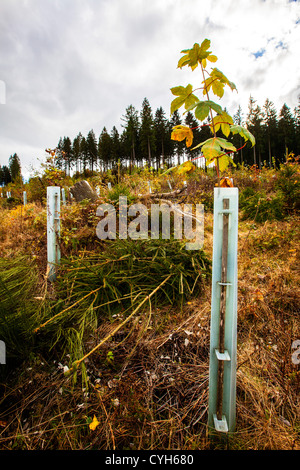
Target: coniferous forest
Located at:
point(145, 138)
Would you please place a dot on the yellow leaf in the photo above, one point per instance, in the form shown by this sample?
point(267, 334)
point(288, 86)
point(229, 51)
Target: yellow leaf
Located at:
point(258, 295)
point(186, 167)
point(182, 132)
point(226, 183)
point(94, 423)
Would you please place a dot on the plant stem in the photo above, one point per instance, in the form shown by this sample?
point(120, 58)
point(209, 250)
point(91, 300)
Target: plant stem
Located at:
point(212, 123)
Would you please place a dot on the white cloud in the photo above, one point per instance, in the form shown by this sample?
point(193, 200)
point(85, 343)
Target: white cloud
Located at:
point(74, 65)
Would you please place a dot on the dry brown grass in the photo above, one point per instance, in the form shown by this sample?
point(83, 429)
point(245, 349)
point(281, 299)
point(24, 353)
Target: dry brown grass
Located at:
point(153, 393)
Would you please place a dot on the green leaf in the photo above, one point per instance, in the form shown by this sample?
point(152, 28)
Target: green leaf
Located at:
point(202, 110)
point(243, 132)
point(212, 148)
point(216, 107)
point(225, 144)
point(184, 97)
point(177, 103)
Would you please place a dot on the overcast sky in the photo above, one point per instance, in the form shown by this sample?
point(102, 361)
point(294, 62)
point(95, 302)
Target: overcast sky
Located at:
point(69, 66)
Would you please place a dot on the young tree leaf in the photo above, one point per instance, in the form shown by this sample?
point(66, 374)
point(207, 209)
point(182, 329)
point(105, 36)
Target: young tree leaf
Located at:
point(196, 55)
point(243, 132)
point(183, 61)
point(224, 161)
point(184, 97)
point(210, 148)
point(177, 103)
point(218, 88)
point(179, 90)
point(182, 132)
point(202, 110)
point(216, 107)
point(212, 58)
point(223, 121)
point(225, 144)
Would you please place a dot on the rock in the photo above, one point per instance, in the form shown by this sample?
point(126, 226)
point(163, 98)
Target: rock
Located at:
point(82, 190)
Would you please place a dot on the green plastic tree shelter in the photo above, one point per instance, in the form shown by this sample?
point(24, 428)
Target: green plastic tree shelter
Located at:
point(223, 327)
point(53, 230)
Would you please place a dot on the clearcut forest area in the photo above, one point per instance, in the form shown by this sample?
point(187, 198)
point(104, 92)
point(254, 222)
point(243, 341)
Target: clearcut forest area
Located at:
point(114, 354)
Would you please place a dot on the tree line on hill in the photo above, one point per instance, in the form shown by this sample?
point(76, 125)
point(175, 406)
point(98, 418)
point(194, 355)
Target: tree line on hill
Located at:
point(146, 139)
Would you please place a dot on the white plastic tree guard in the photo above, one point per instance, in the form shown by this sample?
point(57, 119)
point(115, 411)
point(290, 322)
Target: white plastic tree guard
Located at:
point(63, 195)
point(53, 230)
point(24, 198)
point(223, 328)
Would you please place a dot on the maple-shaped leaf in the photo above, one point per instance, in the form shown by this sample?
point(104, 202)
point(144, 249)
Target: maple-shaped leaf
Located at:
point(243, 132)
point(217, 81)
point(223, 121)
point(185, 97)
point(203, 108)
point(197, 55)
point(182, 132)
point(224, 161)
point(211, 58)
point(213, 148)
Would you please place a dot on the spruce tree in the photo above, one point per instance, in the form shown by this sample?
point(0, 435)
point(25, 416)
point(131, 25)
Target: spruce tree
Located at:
point(147, 133)
point(15, 169)
point(237, 139)
point(271, 128)
point(76, 150)
point(254, 125)
point(130, 134)
point(286, 131)
point(297, 128)
point(105, 149)
point(116, 154)
point(6, 176)
point(91, 149)
point(162, 131)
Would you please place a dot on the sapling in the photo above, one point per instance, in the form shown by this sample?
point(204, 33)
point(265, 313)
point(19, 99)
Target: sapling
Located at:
point(216, 149)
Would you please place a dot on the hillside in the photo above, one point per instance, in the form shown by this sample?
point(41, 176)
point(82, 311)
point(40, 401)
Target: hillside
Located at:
point(146, 386)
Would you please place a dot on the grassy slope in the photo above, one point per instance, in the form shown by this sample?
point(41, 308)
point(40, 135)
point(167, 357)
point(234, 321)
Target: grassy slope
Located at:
point(148, 385)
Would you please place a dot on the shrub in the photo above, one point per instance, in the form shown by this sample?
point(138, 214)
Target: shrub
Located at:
point(121, 189)
point(288, 182)
point(260, 206)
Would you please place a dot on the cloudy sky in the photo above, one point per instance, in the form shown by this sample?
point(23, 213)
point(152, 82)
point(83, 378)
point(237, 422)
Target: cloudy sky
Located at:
point(69, 66)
